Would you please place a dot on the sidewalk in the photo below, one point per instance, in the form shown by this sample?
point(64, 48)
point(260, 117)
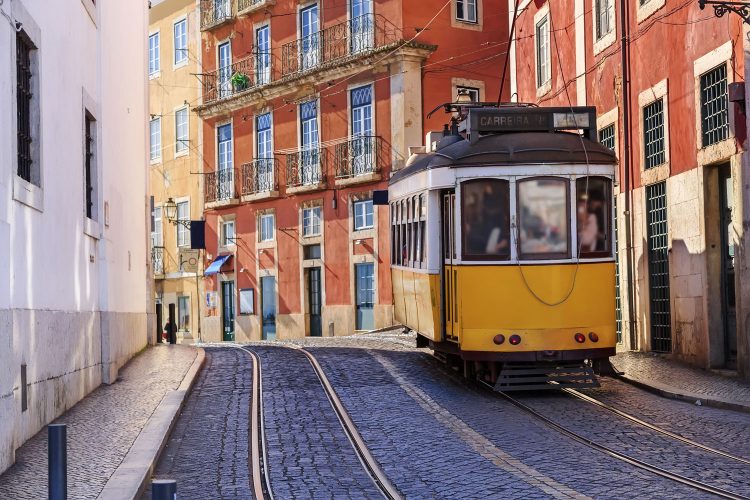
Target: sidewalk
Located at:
point(679, 381)
point(104, 426)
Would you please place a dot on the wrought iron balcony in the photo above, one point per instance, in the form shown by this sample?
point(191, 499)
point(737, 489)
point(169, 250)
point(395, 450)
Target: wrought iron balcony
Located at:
point(220, 186)
point(157, 259)
point(238, 77)
point(260, 176)
point(215, 12)
point(337, 43)
point(358, 156)
point(246, 6)
point(305, 167)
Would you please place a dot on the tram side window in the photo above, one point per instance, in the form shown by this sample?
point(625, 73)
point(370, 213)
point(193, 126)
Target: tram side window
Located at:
point(404, 257)
point(543, 215)
point(485, 219)
point(394, 234)
point(593, 216)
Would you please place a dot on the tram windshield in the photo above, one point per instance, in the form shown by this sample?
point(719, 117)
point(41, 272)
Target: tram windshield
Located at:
point(485, 218)
point(543, 218)
point(593, 209)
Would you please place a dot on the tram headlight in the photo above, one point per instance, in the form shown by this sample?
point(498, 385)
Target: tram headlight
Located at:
point(498, 339)
point(580, 338)
point(593, 337)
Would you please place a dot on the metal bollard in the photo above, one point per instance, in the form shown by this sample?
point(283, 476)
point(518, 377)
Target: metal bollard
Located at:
point(163, 489)
point(57, 465)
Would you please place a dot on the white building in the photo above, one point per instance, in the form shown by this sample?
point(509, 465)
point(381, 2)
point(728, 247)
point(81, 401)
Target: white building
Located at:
point(73, 221)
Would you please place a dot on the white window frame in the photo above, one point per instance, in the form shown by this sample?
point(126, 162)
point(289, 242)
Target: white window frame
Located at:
point(175, 50)
point(363, 216)
point(465, 5)
point(608, 38)
point(178, 140)
point(544, 81)
point(224, 241)
point(158, 234)
point(154, 71)
point(183, 233)
point(155, 157)
point(266, 230)
point(312, 221)
point(657, 173)
point(646, 9)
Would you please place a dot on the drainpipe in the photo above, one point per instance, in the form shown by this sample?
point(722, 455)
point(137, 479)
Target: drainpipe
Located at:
point(625, 54)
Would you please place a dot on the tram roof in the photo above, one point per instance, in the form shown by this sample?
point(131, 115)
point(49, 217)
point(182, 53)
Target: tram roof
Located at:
point(512, 148)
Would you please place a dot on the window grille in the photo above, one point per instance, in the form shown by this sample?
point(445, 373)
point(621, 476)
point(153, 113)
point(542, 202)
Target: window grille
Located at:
point(653, 133)
point(618, 297)
point(714, 116)
point(89, 165)
point(658, 267)
point(607, 136)
point(23, 106)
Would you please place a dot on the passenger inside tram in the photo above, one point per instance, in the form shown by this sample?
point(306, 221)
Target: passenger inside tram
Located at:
point(486, 225)
point(592, 212)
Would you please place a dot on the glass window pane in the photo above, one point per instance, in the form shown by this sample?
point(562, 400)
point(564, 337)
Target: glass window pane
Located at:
point(593, 216)
point(485, 219)
point(543, 218)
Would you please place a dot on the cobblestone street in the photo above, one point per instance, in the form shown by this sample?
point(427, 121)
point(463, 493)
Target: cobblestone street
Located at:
point(433, 434)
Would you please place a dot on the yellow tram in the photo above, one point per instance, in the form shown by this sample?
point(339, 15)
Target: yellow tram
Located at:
point(503, 245)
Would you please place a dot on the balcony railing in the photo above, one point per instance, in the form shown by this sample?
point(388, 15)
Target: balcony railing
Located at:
point(157, 259)
point(358, 156)
point(305, 167)
point(260, 176)
point(215, 12)
point(337, 43)
point(238, 77)
point(247, 5)
point(220, 185)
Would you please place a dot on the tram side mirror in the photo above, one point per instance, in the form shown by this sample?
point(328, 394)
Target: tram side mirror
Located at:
point(380, 197)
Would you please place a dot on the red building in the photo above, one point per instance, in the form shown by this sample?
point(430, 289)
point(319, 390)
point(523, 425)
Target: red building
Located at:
point(307, 108)
point(668, 104)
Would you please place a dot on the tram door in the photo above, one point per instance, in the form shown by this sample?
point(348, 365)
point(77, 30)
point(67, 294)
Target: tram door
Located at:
point(450, 273)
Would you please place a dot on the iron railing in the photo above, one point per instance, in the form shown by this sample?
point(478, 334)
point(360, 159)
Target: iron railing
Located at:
point(157, 259)
point(243, 5)
point(358, 156)
point(215, 12)
point(337, 43)
point(714, 115)
point(238, 77)
point(658, 267)
point(305, 167)
point(220, 185)
point(260, 176)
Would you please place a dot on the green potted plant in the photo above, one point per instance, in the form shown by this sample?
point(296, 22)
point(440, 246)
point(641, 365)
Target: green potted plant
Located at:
point(240, 81)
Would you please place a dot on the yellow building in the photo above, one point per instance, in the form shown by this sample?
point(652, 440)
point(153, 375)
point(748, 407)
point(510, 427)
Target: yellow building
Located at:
point(175, 186)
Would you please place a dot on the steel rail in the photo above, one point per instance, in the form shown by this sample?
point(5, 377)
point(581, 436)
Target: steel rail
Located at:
point(653, 427)
point(621, 456)
point(378, 476)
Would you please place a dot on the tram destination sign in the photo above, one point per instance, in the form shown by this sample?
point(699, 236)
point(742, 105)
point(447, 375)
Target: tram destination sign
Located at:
point(484, 121)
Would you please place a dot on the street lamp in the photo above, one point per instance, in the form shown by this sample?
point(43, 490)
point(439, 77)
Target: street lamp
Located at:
point(170, 210)
point(722, 7)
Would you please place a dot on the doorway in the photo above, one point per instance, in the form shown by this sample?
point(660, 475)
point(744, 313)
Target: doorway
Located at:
point(728, 307)
point(314, 301)
point(268, 306)
point(364, 275)
point(227, 308)
point(450, 273)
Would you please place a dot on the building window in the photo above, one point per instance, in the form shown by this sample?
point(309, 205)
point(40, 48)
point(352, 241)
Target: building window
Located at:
point(714, 116)
point(266, 223)
point(90, 164)
point(180, 42)
point(225, 174)
point(182, 130)
point(183, 233)
point(227, 233)
point(225, 69)
point(472, 92)
point(154, 65)
point(155, 133)
point(310, 40)
point(157, 238)
point(466, 10)
point(183, 313)
point(543, 209)
point(607, 136)
point(543, 73)
point(363, 215)
point(310, 153)
point(653, 133)
point(311, 221)
point(311, 251)
point(23, 102)
point(604, 17)
point(263, 55)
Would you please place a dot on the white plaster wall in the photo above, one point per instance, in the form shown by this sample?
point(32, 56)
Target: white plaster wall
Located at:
point(73, 307)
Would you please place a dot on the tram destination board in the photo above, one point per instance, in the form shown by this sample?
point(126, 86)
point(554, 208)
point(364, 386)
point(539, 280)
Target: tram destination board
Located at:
point(483, 121)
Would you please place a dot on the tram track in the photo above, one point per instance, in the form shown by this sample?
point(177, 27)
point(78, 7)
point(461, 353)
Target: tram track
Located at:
point(259, 465)
point(650, 467)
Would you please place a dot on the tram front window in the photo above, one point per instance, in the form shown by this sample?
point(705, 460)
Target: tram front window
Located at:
point(593, 214)
point(485, 220)
point(543, 218)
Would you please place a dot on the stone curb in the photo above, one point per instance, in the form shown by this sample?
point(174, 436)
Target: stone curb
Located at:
point(671, 393)
point(131, 478)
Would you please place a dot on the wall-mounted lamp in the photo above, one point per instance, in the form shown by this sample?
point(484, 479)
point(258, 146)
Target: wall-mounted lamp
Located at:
point(170, 211)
